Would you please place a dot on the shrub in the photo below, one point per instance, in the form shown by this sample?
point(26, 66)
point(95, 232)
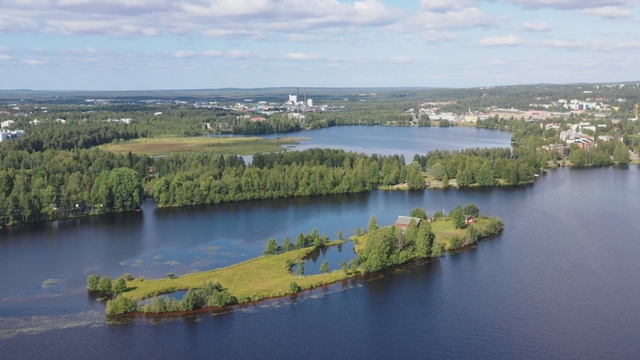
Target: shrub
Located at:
point(92, 282)
point(120, 305)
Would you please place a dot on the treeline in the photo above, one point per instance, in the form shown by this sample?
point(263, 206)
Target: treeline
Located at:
point(207, 179)
point(59, 184)
point(359, 117)
point(484, 167)
point(53, 136)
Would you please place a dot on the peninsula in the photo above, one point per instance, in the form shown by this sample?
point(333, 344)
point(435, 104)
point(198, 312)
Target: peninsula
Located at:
point(411, 238)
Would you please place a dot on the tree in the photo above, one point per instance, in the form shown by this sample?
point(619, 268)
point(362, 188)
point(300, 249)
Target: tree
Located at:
point(438, 171)
point(120, 305)
point(286, 244)
point(471, 209)
point(300, 270)
point(127, 189)
point(271, 248)
point(324, 267)
point(300, 241)
point(293, 286)
point(105, 285)
point(344, 267)
point(458, 219)
point(93, 282)
point(340, 235)
point(418, 213)
point(358, 231)
point(373, 224)
point(189, 301)
point(119, 286)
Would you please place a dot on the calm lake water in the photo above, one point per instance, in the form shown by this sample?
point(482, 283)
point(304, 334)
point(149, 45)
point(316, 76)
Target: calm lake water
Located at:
point(559, 282)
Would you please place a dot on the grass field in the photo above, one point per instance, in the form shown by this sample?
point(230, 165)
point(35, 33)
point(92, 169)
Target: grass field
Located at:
point(255, 279)
point(444, 231)
point(217, 145)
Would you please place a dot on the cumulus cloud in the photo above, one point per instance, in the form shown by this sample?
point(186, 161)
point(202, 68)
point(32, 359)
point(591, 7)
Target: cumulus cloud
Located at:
point(571, 44)
point(36, 61)
point(509, 40)
point(455, 19)
point(233, 34)
point(443, 5)
point(570, 4)
point(184, 54)
point(530, 26)
point(609, 12)
point(301, 56)
point(240, 54)
point(212, 53)
point(5, 57)
point(232, 18)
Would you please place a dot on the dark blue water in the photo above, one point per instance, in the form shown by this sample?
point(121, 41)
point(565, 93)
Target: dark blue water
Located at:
point(560, 282)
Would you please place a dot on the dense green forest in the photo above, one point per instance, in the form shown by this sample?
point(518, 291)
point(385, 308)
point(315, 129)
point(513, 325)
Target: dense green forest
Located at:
point(203, 179)
point(54, 172)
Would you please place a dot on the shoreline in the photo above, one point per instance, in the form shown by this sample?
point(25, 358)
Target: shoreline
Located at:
point(240, 279)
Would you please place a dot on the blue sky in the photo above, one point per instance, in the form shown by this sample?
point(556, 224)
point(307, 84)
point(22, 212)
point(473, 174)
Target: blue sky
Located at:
point(192, 44)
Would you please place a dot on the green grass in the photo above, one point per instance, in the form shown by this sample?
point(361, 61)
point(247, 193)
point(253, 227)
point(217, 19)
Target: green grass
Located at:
point(255, 279)
point(444, 231)
point(217, 145)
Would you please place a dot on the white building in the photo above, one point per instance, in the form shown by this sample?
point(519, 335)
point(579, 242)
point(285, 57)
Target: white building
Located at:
point(293, 99)
point(15, 134)
point(7, 123)
point(310, 102)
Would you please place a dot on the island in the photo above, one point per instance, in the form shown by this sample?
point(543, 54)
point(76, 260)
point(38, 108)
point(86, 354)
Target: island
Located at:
point(418, 236)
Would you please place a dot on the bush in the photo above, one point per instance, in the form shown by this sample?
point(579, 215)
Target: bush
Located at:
point(119, 286)
point(120, 305)
point(104, 285)
point(294, 287)
point(92, 282)
point(127, 277)
point(171, 275)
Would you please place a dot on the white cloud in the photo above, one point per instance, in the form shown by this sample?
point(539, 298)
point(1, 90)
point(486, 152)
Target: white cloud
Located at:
point(442, 5)
point(36, 61)
point(212, 53)
point(301, 56)
point(462, 19)
point(571, 44)
point(570, 4)
point(5, 57)
point(530, 26)
point(437, 36)
point(609, 12)
point(509, 40)
point(496, 62)
point(233, 34)
point(184, 54)
point(240, 54)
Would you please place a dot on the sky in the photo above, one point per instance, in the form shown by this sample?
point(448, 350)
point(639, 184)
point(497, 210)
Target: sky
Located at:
point(201, 44)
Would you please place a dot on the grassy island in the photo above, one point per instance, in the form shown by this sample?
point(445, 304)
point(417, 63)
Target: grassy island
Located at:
point(271, 275)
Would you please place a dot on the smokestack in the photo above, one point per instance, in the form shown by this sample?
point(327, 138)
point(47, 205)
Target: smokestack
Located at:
point(297, 93)
point(305, 95)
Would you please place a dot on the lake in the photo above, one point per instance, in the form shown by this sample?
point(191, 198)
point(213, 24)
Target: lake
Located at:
point(559, 282)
